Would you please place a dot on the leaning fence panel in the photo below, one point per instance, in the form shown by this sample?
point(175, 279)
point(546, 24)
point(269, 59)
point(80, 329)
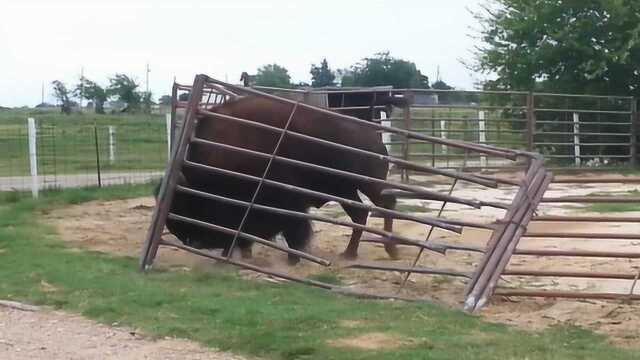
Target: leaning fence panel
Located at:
point(247, 165)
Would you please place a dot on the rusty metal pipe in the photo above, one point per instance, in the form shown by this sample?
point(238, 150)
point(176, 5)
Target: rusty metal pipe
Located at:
point(409, 189)
point(302, 215)
point(320, 195)
point(390, 159)
point(573, 274)
point(250, 237)
point(577, 253)
point(567, 294)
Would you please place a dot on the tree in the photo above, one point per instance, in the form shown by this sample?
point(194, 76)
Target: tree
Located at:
point(441, 85)
point(590, 46)
point(92, 92)
point(322, 75)
point(383, 69)
point(61, 93)
point(164, 100)
point(124, 89)
point(273, 75)
point(147, 101)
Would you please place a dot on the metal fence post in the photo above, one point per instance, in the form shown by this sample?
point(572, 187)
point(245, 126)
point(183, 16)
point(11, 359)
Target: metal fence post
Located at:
point(634, 132)
point(95, 137)
point(407, 125)
point(169, 131)
point(576, 138)
point(482, 136)
point(531, 122)
point(112, 144)
point(33, 157)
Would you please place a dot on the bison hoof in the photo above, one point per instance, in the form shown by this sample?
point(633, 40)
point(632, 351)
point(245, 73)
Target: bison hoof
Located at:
point(293, 260)
point(246, 253)
point(393, 252)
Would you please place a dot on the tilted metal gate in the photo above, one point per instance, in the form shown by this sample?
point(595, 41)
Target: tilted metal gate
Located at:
point(207, 95)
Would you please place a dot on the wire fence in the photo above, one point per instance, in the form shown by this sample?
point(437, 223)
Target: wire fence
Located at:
point(37, 156)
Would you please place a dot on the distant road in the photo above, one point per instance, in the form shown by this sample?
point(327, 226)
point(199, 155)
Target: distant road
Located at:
point(23, 183)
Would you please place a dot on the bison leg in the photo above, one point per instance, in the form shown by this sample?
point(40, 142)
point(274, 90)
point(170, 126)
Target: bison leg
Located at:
point(387, 202)
point(358, 216)
point(298, 235)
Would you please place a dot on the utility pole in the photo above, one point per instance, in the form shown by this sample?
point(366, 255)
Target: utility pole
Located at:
point(438, 74)
point(42, 98)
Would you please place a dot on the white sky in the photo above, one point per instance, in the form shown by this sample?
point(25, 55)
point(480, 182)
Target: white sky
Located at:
point(48, 40)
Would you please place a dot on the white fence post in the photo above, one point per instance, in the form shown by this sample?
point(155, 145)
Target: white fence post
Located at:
point(33, 157)
point(169, 139)
point(576, 138)
point(482, 136)
point(386, 137)
point(443, 134)
point(112, 144)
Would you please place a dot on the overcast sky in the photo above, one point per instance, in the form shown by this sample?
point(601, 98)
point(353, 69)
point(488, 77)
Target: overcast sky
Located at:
point(41, 41)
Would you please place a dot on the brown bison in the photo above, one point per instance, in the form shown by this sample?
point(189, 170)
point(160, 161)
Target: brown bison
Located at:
point(296, 231)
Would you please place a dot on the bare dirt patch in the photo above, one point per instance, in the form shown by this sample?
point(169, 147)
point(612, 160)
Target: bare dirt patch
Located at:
point(46, 335)
point(119, 227)
point(374, 341)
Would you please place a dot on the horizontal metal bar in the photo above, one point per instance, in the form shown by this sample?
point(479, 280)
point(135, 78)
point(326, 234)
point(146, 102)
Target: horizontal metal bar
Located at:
point(583, 111)
point(612, 236)
point(573, 274)
point(357, 107)
point(599, 219)
point(430, 245)
point(584, 96)
point(577, 253)
point(399, 194)
point(247, 266)
point(288, 187)
point(419, 270)
point(509, 154)
point(566, 294)
point(473, 131)
point(409, 188)
point(598, 180)
point(583, 123)
point(582, 144)
point(391, 159)
point(592, 199)
point(580, 133)
point(250, 237)
point(453, 119)
point(587, 156)
point(302, 215)
point(471, 107)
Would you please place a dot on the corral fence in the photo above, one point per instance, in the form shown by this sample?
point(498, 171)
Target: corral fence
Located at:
point(572, 131)
point(208, 95)
point(49, 155)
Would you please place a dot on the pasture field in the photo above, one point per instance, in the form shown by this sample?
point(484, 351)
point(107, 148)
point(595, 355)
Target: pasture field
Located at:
point(67, 143)
point(273, 321)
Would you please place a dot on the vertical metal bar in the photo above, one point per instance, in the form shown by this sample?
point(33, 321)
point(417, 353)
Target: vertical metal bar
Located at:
point(112, 144)
point(174, 106)
point(169, 136)
point(95, 137)
point(264, 175)
point(576, 138)
point(482, 136)
point(167, 187)
point(407, 126)
point(634, 132)
point(531, 122)
point(415, 261)
point(33, 156)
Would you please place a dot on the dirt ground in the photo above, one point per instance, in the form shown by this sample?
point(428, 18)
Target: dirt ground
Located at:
point(26, 335)
point(91, 226)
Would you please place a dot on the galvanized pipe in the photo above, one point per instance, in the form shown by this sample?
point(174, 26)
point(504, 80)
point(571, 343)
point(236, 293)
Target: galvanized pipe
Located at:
point(390, 159)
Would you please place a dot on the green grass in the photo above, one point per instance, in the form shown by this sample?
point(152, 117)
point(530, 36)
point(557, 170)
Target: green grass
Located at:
point(66, 143)
point(272, 321)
